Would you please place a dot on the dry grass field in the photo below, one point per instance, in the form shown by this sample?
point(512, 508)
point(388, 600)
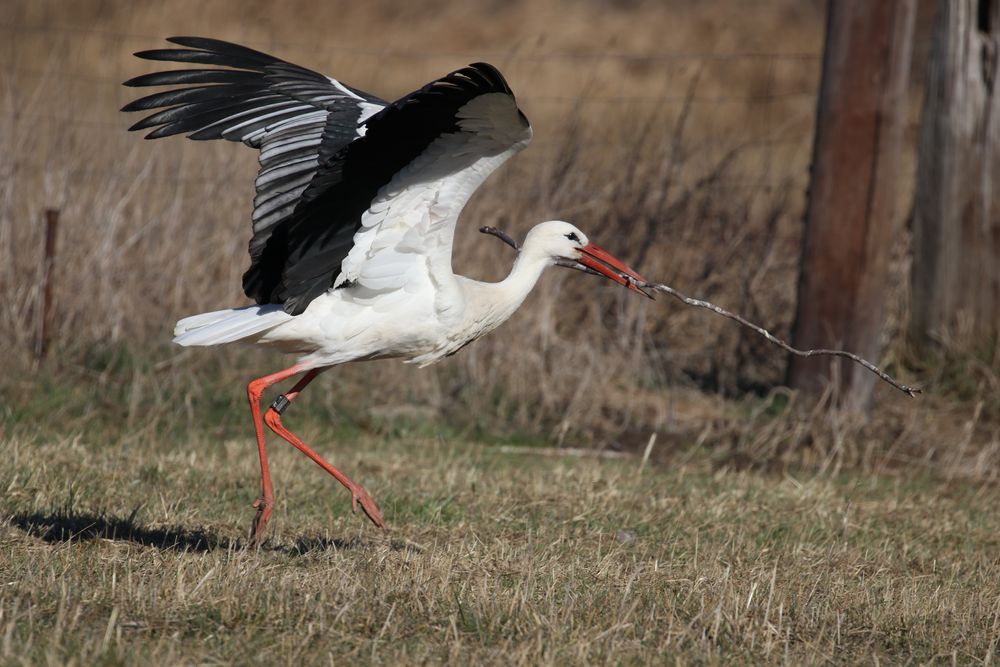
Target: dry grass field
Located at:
point(122, 550)
point(677, 134)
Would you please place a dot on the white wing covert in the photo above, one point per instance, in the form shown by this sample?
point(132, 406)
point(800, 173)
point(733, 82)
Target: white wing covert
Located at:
point(406, 234)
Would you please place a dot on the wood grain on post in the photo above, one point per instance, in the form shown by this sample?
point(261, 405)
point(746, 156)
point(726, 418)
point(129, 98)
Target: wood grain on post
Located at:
point(955, 278)
point(851, 218)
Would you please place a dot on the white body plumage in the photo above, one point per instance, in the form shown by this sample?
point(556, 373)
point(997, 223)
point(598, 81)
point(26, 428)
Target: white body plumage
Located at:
point(422, 325)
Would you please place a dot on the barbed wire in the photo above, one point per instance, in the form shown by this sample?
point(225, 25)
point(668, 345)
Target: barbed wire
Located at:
point(244, 181)
point(121, 123)
point(431, 54)
point(112, 130)
point(41, 74)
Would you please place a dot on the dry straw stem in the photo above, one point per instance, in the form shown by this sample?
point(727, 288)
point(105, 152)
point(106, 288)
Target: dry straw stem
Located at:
point(700, 303)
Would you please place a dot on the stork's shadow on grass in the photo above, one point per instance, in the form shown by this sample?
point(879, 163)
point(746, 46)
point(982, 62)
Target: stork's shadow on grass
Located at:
point(61, 527)
point(64, 527)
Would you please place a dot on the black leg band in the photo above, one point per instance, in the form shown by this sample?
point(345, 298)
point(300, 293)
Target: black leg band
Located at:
point(280, 403)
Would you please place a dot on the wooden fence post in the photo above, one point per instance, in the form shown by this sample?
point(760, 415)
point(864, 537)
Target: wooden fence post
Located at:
point(851, 217)
point(955, 279)
point(48, 264)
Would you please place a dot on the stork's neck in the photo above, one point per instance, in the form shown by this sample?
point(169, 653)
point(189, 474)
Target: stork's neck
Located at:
point(490, 304)
point(523, 275)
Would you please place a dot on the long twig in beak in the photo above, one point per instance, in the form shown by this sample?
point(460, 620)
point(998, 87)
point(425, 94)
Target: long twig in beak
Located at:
point(573, 264)
point(699, 303)
point(502, 235)
point(666, 289)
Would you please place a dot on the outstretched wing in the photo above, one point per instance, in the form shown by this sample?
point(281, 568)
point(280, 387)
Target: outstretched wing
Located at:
point(351, 190)
point(381, 212)
point(294, 116)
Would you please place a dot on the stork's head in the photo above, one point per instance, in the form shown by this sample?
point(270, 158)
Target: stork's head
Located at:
point(565, 245)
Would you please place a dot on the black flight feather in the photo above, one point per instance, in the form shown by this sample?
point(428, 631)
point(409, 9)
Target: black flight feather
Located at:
point(318, 173)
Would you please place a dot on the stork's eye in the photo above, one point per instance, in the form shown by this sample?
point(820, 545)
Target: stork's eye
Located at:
point(573, 237)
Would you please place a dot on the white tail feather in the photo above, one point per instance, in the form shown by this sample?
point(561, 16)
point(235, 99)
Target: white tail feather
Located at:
point(227, 326)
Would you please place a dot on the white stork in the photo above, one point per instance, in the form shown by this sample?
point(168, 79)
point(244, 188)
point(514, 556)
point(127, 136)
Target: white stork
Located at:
point(354, 217)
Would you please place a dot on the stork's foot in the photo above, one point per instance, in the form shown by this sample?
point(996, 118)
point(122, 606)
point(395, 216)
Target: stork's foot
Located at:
point(360, 496)
point(263, 506)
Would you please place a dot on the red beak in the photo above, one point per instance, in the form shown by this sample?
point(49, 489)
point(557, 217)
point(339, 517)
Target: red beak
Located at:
point(609, 266)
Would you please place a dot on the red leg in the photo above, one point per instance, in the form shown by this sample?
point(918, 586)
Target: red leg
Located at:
point(358, 495)
point(263, 504)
